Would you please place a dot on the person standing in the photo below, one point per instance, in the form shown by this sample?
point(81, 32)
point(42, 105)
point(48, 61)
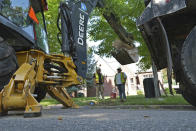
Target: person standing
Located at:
point(99, 80)
point(120, 80)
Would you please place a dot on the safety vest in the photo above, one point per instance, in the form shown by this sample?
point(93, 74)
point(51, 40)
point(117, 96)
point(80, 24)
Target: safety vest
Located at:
point(122, 78)
point(97, 78)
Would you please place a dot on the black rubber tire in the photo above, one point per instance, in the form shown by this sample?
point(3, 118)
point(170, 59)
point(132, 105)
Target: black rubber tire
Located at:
point(40, 92)
point(4, 80)
point(188, 76)
point(188, 58)
point(188, 95)
point(190, 98)
point(188, 91)
point(8, 64)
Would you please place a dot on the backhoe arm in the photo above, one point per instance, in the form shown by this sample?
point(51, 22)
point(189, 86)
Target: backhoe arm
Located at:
point(74, 17)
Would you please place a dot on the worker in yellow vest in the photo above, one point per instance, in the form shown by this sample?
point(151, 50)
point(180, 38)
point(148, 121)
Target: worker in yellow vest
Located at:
point(99, 80)
point(120, 80)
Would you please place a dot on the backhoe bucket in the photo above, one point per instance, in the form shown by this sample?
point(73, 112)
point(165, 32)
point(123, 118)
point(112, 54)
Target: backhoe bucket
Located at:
point(124, 53)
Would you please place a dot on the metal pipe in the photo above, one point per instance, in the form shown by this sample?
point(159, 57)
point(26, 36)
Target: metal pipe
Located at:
point(54, 77)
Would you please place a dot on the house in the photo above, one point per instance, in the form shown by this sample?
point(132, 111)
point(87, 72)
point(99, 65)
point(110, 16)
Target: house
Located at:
point(109, 69)
point(137, 79)
point(134, 79)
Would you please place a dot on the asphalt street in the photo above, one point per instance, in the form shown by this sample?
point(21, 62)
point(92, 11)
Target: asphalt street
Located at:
point(57, 119)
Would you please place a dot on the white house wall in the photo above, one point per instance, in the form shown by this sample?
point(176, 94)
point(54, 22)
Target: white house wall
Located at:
point(108, 68)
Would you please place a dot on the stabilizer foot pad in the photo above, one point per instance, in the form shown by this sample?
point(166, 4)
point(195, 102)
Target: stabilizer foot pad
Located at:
point(30, 115)
point(3, 113)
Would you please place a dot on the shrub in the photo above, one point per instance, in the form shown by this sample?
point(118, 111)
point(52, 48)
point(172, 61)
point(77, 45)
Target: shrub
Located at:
point(139, 92)
point(168, 92)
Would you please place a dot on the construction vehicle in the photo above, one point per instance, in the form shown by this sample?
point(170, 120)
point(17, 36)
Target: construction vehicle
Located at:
point(27, 70)
point(168, 28)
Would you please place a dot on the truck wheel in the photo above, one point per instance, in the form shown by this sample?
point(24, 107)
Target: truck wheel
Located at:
point(40, 92)
point(188, 56)
point(188, 95)
point(8, 63)
point(4, 80)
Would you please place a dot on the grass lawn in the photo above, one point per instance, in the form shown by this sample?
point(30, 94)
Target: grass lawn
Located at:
point(141, 100)
point(47, 102)
point(131, 100)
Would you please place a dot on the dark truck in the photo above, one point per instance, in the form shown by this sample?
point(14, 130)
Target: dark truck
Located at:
point(168, 28)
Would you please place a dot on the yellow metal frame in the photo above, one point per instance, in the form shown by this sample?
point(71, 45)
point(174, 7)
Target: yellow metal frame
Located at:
point(18, 93)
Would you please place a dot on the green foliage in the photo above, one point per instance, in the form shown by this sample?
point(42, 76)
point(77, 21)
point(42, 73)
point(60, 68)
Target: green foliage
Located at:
point(164, 71)
point(139, 92)
point(72, 89)
point(141, 100)
point(145, 61)
point(168, 92)
point(47, 102)
point(51, 21)
point(127, 11)
point(131, 100)
point(91, 63)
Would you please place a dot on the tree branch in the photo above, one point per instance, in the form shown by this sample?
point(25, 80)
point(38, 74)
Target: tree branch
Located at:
point(123, 35)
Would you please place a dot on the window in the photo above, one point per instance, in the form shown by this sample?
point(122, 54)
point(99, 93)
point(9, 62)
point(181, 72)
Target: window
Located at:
point(41, 36)
point(145, 76)
point(16, 11)
point(131, 80)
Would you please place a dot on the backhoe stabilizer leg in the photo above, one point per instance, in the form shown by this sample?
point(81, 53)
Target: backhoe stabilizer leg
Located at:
point(33, 108)
point(61, 95)
point(16, 95)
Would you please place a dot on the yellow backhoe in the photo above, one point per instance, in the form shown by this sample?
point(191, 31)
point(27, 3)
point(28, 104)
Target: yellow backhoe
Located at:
point(27, 70)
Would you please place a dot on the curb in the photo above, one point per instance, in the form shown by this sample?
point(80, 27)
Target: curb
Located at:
point(176, 107)
point(133, 107)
